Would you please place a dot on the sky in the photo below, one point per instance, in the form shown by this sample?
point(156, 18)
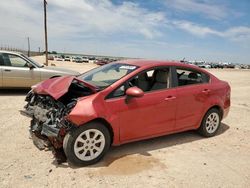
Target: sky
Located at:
point(208, 30)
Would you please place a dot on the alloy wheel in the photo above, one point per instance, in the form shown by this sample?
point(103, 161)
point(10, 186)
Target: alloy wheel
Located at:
point(212, 122)
point(89, 144)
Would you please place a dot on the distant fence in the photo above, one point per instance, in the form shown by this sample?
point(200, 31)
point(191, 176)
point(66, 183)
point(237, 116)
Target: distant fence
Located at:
point(32, 53)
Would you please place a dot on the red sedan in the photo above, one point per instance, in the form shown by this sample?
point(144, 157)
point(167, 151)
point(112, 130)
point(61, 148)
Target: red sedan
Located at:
point(123, 102)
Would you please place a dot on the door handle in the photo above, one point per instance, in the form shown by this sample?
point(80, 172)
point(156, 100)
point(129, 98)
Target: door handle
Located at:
point(7, 70)
point(169, 98)
point(206, 91)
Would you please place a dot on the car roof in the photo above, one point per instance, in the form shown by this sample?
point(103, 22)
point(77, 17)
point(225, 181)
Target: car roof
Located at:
point(10, 52)
point(145, 63)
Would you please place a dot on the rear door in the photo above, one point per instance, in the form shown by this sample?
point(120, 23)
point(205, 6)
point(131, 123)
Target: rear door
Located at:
point(192, 91)
point(17, 73)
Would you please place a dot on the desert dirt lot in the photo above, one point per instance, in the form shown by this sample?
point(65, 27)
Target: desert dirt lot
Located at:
point(180, 160)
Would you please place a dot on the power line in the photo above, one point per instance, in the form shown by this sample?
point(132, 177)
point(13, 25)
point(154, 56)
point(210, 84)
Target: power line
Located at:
point(45, 32)
point(28, 46)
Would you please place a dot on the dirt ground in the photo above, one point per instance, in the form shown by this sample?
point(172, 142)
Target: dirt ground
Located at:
point(180, 160)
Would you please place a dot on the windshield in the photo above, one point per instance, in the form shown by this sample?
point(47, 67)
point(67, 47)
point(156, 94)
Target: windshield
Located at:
point(106, 75)
point(37, 64)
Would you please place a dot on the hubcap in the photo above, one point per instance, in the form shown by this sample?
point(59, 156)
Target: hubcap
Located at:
point(212, 122)
point(89, 144)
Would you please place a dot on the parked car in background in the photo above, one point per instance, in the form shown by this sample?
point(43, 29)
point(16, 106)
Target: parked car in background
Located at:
point(58, 58)
point(78, 60)
point(206, 66)
point(20, 71)
point(85, 59)
point(73, 59)
point(92, 59)
point(244, 66)
point(51, 57)
point(123, 102)
point(101, 62)
point(67, 58)
point(229, 65)
point(217, 65)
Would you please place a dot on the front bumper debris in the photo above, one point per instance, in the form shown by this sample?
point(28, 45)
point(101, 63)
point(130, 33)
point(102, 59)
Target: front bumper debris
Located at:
point(26, 113)
point(50, 131)
point(43, 143)
point(47, 130)
point(39, 142)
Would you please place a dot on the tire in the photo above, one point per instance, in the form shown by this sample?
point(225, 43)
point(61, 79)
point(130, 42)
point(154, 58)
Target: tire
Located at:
point(80, 146)
point(210, 123)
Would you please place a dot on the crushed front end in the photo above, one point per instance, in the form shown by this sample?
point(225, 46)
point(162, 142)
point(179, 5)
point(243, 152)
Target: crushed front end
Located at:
point(49, 124)
point(48, 105)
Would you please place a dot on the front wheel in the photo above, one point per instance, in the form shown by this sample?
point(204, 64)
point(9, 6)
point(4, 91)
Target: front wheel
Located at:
point(210, 123)
point(87, 144)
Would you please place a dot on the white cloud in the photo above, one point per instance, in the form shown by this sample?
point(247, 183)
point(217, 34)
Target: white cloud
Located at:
point(75, 18)
point(104, 17)
point(240, 33)
point(237, 33)
point(207, 8)
point(19, 20)
point(195, 29)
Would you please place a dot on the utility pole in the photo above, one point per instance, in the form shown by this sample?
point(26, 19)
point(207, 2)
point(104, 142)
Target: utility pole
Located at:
point(28, 46)
point(45, 31)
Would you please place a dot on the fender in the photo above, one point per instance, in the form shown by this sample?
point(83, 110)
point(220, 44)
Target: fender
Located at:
point(213, 100)
point(79, 116)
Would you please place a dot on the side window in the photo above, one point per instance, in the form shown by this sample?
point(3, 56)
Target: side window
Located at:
point(13, 60)
point(188, 77)
point(1, 60)
point(151, 80)
point(154, 79)
point(150, 73)
point(120, 91)
point(17, 61)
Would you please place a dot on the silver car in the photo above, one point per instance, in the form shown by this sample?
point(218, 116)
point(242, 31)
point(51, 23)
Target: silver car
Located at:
point(19, 71)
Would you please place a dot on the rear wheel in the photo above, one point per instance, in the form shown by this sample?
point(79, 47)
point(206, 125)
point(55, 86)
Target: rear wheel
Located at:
point(210, 123)
point(87, 144)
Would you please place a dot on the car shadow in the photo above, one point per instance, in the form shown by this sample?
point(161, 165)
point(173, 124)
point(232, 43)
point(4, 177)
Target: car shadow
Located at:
point(145, 146)
point(13, 92)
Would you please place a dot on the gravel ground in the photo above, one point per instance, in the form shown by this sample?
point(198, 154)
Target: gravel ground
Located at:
point(179, 160)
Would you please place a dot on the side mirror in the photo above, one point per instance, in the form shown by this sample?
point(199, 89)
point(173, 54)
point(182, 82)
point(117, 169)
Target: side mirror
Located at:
point(134, 92)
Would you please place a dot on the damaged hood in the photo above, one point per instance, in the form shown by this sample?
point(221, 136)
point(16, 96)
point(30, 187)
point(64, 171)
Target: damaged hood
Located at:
point(57, 87)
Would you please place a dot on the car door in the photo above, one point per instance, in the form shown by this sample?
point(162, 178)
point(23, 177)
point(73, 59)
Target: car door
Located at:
point(18, 72)
point(149, 115)
point(192, 90)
